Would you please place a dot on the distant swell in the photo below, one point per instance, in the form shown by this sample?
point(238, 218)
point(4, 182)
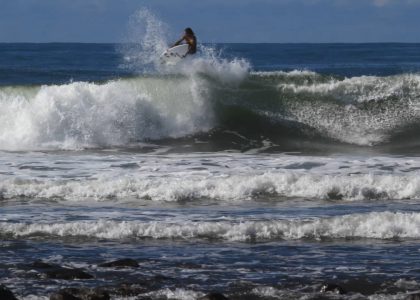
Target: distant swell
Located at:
point(212, 104)
point(376, 225)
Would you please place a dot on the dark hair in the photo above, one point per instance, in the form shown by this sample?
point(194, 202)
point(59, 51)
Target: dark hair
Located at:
point(188, 30)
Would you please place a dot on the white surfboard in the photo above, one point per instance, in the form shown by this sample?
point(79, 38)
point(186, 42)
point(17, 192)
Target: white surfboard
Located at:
point(174, 55)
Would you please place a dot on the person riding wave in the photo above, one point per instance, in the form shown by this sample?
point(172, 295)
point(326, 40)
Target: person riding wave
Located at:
point(190, 39)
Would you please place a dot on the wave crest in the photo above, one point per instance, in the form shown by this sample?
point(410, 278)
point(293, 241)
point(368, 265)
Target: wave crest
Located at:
point(375, 225)
point(224, 187)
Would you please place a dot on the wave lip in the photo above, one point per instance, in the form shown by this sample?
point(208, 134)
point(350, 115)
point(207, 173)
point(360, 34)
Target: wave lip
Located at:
point(375, 225)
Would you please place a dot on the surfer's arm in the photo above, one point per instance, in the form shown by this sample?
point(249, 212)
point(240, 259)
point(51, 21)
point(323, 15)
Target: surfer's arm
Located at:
point(179, 41)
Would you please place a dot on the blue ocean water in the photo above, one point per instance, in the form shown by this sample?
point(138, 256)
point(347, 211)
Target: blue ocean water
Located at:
point(57, 63)
point(260, 171)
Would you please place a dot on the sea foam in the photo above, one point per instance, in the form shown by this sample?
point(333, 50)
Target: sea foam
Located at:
point(188, 187)
point(365, 110)
point(374, 225)
point(221, 177)
point(81, 114)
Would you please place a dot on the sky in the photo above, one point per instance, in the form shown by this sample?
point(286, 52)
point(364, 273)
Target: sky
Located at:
point(252, 21)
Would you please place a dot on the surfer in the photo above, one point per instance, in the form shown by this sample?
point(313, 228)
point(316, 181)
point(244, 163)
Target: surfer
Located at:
point(190, 39)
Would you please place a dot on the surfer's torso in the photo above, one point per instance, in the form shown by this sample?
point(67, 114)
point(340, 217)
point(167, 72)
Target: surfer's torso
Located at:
point(192, 43)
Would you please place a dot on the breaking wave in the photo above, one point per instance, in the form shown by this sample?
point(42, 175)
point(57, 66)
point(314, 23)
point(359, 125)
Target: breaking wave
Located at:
point(224, 98)
point(180, 187)
point(375, 225)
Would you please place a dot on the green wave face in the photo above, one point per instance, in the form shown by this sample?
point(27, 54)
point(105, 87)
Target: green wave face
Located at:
point(297, 109)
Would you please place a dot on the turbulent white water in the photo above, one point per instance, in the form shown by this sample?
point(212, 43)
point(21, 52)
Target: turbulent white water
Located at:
point(89, 115)
point(182, 186)
point(220, 177)
point(376, 225)
point(82, 114)
point(364, 110)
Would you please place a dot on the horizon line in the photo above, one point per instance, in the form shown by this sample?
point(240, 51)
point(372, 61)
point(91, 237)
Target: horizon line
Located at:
point(262, 43)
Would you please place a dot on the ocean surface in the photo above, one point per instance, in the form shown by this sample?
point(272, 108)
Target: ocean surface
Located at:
point(260, 171)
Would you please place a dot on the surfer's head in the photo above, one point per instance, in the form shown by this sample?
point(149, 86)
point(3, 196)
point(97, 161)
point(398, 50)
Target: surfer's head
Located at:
point(189, 31)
